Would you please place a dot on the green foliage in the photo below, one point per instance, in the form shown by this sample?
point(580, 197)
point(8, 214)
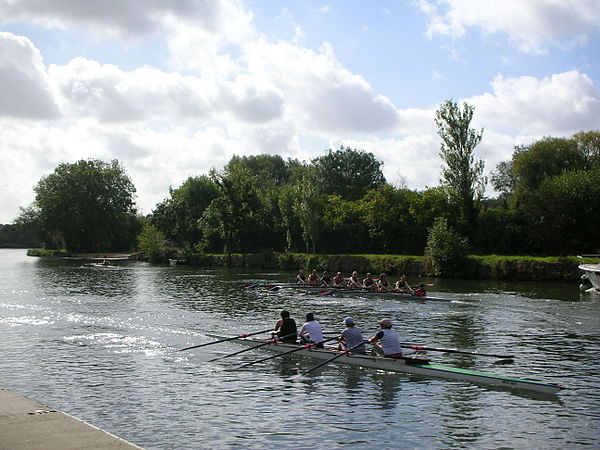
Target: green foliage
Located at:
point(446, 250)
point(545, 158)
point(462, 175)
point(153, 243)
point(178, 217)
point(348, 173)
point(87, 205)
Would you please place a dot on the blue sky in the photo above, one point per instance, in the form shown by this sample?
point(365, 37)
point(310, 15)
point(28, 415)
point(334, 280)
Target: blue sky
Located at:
point(172, 89)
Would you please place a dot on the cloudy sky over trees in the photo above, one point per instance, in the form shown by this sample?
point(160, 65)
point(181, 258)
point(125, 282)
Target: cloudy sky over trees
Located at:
point(173, 88)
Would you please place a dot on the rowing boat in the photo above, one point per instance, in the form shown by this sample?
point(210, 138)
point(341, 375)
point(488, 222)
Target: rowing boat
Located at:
point(411, 367)
point(325, 291)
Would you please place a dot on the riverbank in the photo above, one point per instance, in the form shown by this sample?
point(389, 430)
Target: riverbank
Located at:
point(483, 267)
point(487, 267)
point(27, 424)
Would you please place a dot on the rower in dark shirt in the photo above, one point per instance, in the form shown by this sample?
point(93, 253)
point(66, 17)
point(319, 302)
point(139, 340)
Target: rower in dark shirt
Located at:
point(286, 326)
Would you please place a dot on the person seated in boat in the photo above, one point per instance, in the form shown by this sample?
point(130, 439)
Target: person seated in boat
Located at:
point(354, 282)
point(383, 284)
point(286, 328)
point(339, 281)
point(420, 291)
point(369, 282)
point(403, 286)
point(313, 278)
point(311, 332)
point(301, 277)
point(351, 338)
point(325, 279)
point(385, 341)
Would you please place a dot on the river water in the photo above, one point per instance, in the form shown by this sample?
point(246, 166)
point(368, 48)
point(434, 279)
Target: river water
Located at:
point(101, 343)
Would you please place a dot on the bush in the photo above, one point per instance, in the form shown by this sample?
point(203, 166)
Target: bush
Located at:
point(446, 250)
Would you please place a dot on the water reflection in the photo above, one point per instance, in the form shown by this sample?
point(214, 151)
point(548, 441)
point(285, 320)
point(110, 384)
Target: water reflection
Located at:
point(102, 345)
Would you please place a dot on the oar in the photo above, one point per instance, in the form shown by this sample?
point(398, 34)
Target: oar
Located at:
point(327, 361)
point(302, 347)
point(226, 339)
point(271, 341)
point(451, 350)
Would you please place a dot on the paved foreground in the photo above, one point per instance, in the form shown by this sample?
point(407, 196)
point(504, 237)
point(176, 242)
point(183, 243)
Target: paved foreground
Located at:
point(27, 424)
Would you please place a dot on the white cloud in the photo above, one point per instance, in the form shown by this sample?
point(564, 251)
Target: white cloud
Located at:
point(560, 104)
point(321, 96)
point(25, 90)
point(533, 25)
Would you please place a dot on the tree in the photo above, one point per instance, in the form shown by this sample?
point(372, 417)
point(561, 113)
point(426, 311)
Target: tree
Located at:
point(89, 205)
point(308, 208)
point(462, 175)
point(178, 217)
point(348, 173)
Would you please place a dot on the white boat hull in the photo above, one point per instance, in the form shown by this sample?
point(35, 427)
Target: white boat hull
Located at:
point(592, 272)
point(404, 366)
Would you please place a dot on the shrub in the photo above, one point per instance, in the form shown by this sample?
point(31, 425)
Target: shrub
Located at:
point(446, 250)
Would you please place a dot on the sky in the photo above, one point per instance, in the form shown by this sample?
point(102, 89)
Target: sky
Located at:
point(174, 88)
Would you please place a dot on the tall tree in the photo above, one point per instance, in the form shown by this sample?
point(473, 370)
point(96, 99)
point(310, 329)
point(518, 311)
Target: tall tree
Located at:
point(348, 173)
point(462, 175)
point(89, 205)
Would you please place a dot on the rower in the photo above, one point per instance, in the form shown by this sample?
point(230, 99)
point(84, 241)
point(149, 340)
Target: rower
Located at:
point(313, 278)
point(351, 337)
point(286, 326)
point(325, 279)
point(382, 284)
point(353, 282)
point(301, 277)
point(403, 286)
point(339, 281)
point(311, 332)
point(368, 282)
point(385, 341)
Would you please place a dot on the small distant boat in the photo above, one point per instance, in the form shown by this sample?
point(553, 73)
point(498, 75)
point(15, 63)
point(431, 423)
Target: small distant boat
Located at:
point(591, 276)
point(177, 262)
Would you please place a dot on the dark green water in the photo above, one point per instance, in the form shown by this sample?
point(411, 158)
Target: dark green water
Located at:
point(100, 344)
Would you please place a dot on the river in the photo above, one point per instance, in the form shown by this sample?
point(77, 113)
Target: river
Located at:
point(101, 343)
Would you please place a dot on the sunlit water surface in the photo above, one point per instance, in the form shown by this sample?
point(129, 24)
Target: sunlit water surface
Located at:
point(101, 344)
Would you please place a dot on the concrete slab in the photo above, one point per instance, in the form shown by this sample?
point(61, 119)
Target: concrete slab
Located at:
point(27, 424)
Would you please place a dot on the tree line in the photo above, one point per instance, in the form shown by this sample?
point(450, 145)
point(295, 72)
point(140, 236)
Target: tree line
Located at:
point(339, 202)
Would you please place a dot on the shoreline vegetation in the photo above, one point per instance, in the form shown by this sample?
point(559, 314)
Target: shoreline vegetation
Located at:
point(498, 267)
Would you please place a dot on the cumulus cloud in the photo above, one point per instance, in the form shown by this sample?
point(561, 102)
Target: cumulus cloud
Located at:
point(321, 95)
point(533, 25)
point(25, 90)
point(126, 19)
point(560, 104)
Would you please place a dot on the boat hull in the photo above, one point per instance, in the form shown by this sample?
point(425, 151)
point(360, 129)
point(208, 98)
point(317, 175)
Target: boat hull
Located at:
point(404, 366)
point(592, 271)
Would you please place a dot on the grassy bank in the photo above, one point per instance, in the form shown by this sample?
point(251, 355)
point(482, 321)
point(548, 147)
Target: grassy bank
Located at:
point(478, 267)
